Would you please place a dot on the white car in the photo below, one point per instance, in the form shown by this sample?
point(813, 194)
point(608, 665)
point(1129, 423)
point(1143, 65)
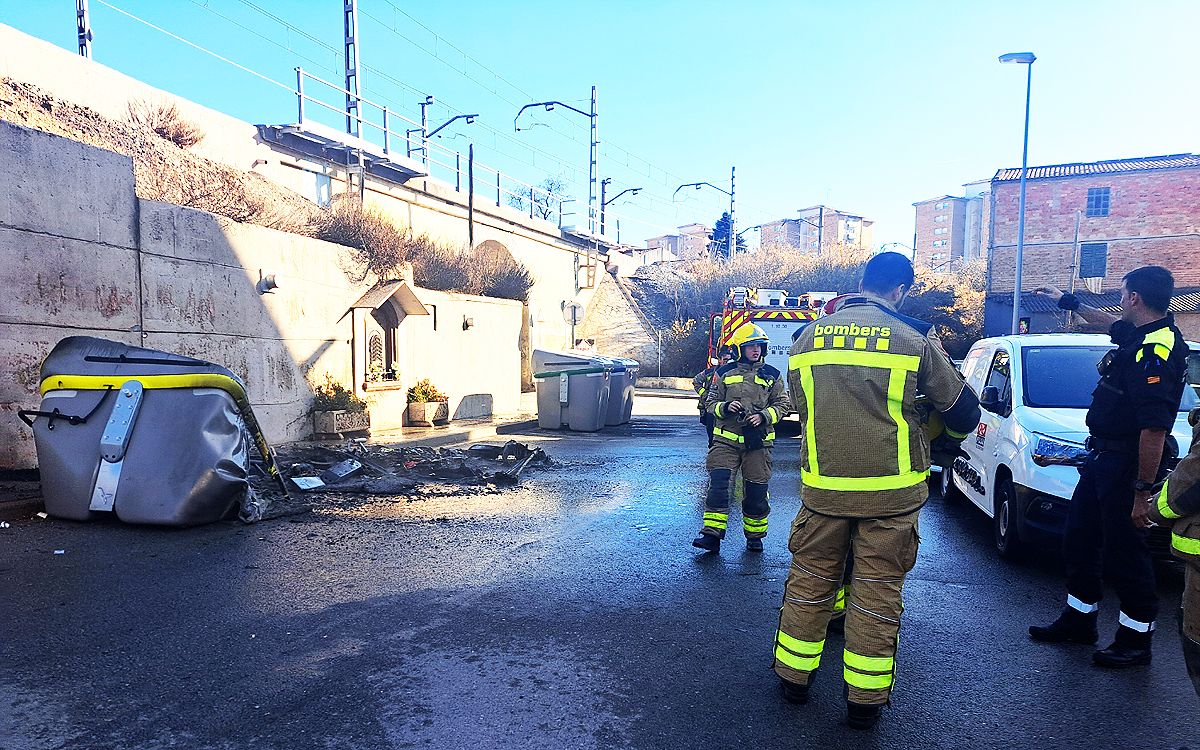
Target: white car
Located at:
point(1022, 462)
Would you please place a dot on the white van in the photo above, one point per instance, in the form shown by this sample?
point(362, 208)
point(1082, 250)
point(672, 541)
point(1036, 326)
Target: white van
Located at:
point(1022, 462)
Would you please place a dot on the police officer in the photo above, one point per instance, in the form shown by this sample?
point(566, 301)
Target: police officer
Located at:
point(1133, 409)
point(747, 399)
point(703, 381)
point(1178, 504)
point(864, 456)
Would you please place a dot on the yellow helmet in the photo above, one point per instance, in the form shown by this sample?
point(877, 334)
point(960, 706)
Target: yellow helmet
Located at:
point(748, 333)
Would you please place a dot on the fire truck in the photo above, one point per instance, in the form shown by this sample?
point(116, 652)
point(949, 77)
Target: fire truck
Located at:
point(774, 310)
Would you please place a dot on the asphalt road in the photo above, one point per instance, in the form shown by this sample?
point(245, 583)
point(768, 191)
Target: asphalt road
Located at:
point(570, 612)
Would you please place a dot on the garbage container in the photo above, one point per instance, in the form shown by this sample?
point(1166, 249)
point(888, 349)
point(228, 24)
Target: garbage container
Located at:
point(577, 398)
point(152, 437)
point(545, 360)
point(632, 368)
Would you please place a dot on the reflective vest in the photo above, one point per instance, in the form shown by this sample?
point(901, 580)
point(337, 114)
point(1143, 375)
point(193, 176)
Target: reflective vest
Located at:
point(854, 376)
point(759, 387)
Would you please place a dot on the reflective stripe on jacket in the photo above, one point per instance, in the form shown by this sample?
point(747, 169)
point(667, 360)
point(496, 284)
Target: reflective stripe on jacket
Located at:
point(1179, 504)
point(855, 375)
point(760, 389)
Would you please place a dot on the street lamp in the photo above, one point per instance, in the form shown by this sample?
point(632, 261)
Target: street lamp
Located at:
point(469, 118)
point(732, 193)
point(1021, 58)
point(603, 202)
point(593, 149)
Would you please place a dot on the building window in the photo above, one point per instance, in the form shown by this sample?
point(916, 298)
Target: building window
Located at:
point(939, 230)
point(940, 217)
point(1097, 201)
point(1093, 259)
point(939, 243)
point(941, 206)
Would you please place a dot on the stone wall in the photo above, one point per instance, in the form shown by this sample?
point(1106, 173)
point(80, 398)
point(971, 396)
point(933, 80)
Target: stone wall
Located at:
point(617, 326)
point(83, 256)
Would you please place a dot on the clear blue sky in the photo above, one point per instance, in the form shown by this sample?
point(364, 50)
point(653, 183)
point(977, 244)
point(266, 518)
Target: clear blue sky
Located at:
point(867, 106)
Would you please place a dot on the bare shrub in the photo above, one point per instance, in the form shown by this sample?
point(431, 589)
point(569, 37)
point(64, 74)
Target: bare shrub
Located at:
point(498, 274)
point(165, 120)
point(684, 348)
point(378, 247)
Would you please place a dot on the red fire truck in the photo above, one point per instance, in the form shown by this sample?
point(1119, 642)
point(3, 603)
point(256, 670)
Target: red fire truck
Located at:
point(776, 311)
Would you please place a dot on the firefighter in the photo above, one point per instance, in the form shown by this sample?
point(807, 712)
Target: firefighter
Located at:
point(864, 462)
point(703, 381)
point(1178, 504)
point(746, 401)
point(1129, 420)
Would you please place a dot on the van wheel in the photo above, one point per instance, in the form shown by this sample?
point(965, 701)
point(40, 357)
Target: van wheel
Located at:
point(1004, 521)
point(946, 486)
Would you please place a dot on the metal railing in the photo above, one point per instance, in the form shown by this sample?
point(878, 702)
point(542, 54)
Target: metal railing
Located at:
point(439, 162)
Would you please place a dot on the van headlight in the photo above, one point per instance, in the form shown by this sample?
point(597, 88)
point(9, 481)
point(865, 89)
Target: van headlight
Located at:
point(1053, 452)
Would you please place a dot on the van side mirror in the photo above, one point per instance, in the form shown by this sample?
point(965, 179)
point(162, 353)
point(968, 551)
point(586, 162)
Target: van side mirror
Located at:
point(989, 398)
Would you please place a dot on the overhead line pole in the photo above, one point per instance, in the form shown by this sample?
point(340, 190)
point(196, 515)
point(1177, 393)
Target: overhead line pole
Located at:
point(83, 28)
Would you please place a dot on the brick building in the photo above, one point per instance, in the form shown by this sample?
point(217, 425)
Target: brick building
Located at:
point(940, 234)
point(1129, 213)
point(817, 227)
point(693, 241)
point(951, 230)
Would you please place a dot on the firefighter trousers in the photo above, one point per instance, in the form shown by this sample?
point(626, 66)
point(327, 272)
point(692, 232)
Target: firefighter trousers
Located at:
point(722, 463)
point(1189, 624)
point(884, 550)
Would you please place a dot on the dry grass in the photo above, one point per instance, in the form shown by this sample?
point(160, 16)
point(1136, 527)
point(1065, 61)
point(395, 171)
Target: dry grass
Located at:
point(379, 249)
point(953, 302)
point(165, 120)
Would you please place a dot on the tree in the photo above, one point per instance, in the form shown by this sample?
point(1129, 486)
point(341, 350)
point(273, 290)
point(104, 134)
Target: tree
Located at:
point(720, 237)
point(546, 198)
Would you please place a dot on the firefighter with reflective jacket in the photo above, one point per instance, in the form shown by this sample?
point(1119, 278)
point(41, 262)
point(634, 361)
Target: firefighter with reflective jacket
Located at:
point(864, 456)
point(703, 381)
point(747, 400)
point(1178, 505)
point(1129, 420)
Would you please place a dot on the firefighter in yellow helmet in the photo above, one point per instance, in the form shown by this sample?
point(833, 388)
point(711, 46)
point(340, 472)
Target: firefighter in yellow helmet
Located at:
point(747, 399)
point(864, 459)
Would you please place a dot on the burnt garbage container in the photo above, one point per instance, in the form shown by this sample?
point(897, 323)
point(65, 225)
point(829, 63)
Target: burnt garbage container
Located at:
point(152, 437)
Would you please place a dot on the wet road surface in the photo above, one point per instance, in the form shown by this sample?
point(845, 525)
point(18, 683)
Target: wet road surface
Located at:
point(570, 612)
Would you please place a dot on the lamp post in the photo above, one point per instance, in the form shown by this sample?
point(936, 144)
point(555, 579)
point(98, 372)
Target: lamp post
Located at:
point(732, 193)
point(593, 149)
point(1021, 58)
point(603, 202)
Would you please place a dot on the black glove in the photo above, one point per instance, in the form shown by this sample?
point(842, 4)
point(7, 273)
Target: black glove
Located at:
point(754, 435)
point(944, 450)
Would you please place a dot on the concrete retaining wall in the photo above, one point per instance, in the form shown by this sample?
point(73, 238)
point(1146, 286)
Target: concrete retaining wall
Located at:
point(82, 255)
point(425, 205)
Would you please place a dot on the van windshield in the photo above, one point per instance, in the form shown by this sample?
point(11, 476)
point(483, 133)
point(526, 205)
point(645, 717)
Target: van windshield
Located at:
point(1063, 377)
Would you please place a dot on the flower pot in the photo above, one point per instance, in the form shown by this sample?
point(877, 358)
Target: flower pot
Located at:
point(428, 413)
point(340, 421)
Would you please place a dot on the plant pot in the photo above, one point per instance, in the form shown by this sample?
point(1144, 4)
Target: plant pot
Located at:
point(340, 421)
point(428, 413)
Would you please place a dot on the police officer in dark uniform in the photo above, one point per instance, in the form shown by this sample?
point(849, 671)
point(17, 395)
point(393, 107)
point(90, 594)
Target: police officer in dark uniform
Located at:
point(1133, 409)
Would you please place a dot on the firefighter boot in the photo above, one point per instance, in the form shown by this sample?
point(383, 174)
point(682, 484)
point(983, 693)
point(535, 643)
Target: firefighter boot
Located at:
point(707, 542)
point(1072, 626)
point(1129, 649)
point(795, 693)
point(862, 715)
